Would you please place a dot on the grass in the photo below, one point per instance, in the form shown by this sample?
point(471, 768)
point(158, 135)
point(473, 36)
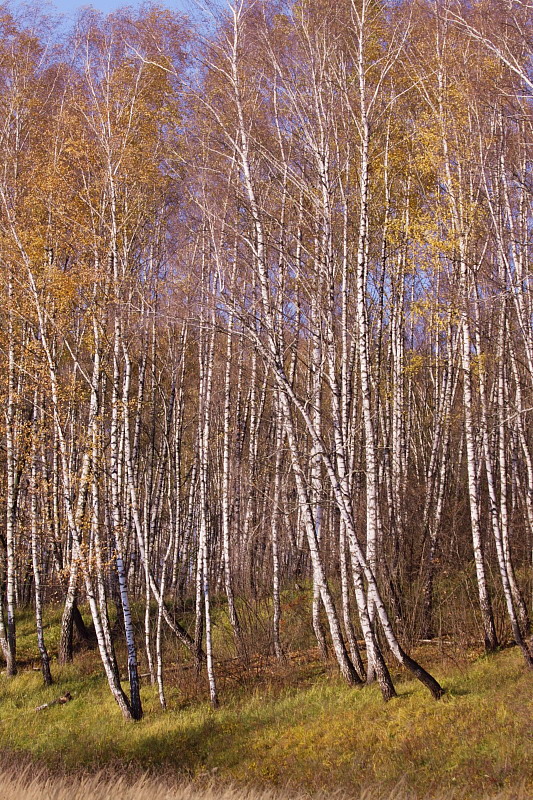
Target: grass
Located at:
point(26, 785)
point(100, 786)
point(298, 726)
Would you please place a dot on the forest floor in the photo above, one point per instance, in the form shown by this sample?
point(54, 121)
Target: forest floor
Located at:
point(293, 728)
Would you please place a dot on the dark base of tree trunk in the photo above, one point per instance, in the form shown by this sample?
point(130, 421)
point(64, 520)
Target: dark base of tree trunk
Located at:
point(352, 676)
point(491, 644)
point(81, 628)
point(347, 668)
point(388, 692)
point(135, 705)
point(45, 669)
point(423, 676)
point(380, 672)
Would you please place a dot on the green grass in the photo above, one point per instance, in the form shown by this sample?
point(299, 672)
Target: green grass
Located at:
point(301, 724)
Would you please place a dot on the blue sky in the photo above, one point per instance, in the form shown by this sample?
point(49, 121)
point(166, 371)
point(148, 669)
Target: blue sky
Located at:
point(70, 7)
point(200, 11)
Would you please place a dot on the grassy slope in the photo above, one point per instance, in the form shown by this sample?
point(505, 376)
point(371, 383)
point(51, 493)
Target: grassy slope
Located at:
point(314, 730)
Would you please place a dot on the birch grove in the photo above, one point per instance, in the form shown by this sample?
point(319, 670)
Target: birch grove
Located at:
point(267, 333)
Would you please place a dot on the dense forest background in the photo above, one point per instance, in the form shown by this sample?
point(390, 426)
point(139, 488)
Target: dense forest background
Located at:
point(267, 324)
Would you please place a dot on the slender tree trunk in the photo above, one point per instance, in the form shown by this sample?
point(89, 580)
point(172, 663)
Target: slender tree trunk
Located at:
point(226, 547)
point(11, 663)
point(45, 660)
point(275, 523)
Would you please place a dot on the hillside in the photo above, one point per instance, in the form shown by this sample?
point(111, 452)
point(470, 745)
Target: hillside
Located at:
point(299, 726)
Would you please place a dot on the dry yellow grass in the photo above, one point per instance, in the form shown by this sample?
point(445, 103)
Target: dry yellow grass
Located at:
point(44, 786)
point(28, 784)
